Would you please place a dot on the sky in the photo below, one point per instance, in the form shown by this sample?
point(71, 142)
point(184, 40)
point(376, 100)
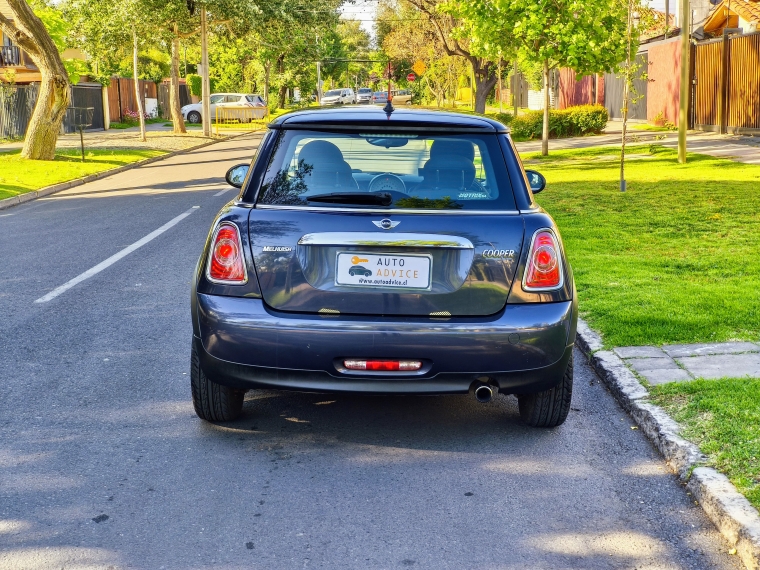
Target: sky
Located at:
point(363, 10)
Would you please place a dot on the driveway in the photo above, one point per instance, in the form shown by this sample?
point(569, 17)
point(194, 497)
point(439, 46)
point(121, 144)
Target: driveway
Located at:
point(103, 463)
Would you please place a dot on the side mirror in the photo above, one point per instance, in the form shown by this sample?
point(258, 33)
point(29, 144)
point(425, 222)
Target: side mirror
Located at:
point(536, 180)
point(236, 175)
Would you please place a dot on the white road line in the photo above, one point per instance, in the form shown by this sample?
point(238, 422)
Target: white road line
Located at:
point(222, 191)
point(114, 258)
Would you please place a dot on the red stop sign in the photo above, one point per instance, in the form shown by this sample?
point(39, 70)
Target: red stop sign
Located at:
point(411, 77)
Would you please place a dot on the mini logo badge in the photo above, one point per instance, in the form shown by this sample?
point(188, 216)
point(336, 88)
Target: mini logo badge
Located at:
point(279, 248)
point(386, 224)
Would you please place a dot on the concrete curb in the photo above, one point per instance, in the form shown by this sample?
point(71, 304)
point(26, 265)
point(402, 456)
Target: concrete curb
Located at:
point(29, 196)
point(736, 519)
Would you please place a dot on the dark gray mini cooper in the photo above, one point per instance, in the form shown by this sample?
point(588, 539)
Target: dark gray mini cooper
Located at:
point(380, 253)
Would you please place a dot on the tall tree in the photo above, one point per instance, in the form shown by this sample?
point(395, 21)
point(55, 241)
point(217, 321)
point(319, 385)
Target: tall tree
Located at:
point(28, 32)
point(407, 36)
point(291, 37)
point(588, 36)
point(181, 19)
point(454, 29)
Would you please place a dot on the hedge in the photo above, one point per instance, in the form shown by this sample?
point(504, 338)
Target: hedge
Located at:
point(503, 118)
point(194, 84)
point(570, 122)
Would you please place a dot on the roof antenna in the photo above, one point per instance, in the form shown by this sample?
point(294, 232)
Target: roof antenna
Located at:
point(389, 105)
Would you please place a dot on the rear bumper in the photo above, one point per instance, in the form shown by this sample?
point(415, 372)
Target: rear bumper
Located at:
point(244, 344)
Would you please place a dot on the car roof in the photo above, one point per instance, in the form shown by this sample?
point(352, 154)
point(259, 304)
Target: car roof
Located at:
point(375, 117)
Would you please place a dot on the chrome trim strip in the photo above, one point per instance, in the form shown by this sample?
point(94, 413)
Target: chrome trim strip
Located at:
point(559, 260)
point(388, 211)
point(386, 240)
point(211, 254)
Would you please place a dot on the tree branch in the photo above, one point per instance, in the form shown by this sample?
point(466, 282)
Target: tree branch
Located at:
point(457, 49)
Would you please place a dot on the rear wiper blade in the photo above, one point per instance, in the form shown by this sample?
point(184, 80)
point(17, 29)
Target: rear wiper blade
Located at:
point(370, 198)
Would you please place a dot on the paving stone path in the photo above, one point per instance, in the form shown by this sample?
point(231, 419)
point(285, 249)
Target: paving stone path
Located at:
point(685, 362)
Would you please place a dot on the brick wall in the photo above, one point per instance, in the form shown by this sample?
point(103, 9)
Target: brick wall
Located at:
point(664, 74)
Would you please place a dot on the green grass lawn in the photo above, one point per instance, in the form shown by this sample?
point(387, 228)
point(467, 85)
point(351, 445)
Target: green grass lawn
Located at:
point(723, 418)
point(675, 259)
point(18, 175)
point(652, 128)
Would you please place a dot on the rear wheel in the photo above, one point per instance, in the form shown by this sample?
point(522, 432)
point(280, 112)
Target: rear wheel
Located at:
point(213, 402)
point(550, 407)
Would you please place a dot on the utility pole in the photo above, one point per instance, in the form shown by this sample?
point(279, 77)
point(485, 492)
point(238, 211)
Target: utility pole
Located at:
point(514, 87)
point(205, 85)
point(500, 109)
point(667, 17)
point(683, 113)
point(319, 83)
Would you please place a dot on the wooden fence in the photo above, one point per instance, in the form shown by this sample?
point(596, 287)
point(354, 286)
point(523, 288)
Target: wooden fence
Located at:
point(121, 96)
point(17, 103)
point(727, 84)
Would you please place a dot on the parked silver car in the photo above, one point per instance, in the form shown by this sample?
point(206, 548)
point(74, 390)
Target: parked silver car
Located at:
point(364, 95)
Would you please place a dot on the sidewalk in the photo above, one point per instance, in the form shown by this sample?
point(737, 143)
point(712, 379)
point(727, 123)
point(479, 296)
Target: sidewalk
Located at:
point(735, 147)
point(159, 138)
point(686, 362)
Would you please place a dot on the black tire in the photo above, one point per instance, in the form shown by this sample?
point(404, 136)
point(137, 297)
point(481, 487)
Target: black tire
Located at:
point(194, 117)
point(550, 407)
point(213, 402)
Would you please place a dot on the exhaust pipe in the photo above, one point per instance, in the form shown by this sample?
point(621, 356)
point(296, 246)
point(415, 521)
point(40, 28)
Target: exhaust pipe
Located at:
point(484, 393)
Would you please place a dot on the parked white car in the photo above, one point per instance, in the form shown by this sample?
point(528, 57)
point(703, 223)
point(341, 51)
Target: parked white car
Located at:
point(344, 96)
point(193, 113)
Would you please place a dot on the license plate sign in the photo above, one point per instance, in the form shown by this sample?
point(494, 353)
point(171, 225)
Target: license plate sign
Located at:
point(359, 269)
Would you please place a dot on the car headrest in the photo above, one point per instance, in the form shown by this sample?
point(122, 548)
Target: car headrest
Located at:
point(441, 147)
point(320, 152)
point(449, 171)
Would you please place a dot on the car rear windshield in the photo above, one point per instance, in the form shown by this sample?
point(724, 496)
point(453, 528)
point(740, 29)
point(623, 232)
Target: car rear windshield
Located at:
point(391, 170)
point(333, 93)
point(365, 90)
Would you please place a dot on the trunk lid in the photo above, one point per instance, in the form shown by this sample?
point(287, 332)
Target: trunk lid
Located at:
point(343, 261)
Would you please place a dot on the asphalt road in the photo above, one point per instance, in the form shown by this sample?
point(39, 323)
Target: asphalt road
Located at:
point(103, 463)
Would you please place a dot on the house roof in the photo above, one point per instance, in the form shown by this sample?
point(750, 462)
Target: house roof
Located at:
point(747, 10)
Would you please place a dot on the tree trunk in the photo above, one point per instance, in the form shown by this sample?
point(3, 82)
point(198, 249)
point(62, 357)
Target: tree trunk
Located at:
point(137, 86)
point(283, 87)
point(267, 67)
point(485, 81)
point(545, 134)
point(49, 112)
point(30, 34)
point(515, 86)
point(178, 122)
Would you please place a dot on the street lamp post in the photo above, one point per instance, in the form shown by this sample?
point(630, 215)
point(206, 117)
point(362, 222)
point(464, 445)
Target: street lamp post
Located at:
point(683, 123)
point(205, 85)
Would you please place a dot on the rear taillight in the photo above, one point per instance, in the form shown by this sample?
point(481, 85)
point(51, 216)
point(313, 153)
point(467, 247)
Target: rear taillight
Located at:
point(225, 263)
point(544, 269)
point(383, 365)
